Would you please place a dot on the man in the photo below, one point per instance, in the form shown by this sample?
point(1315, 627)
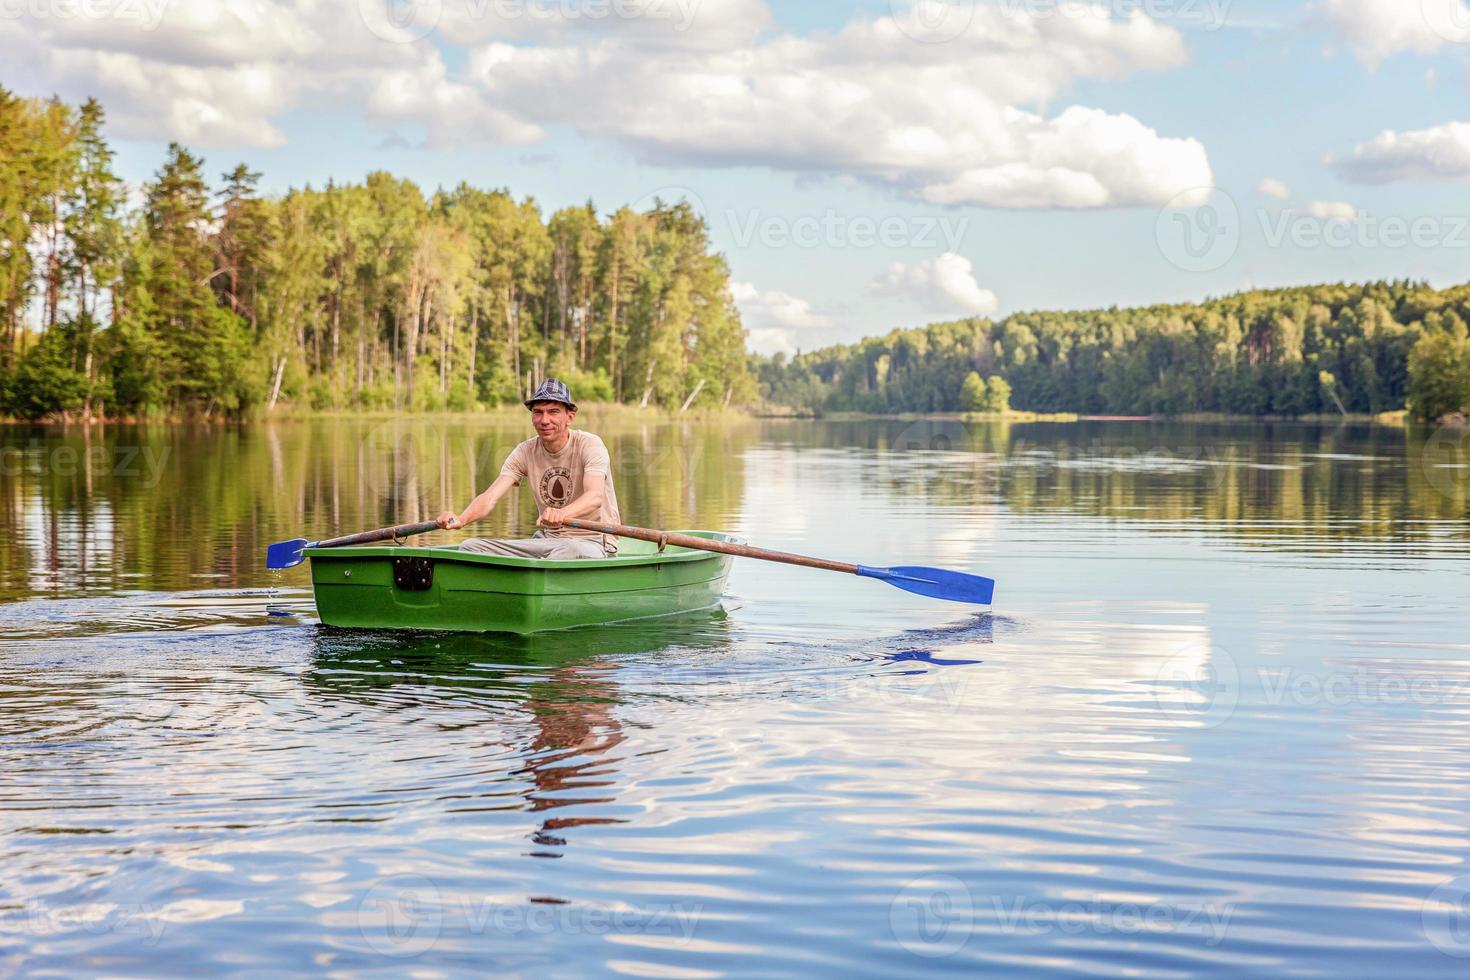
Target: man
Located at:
point(571, 476)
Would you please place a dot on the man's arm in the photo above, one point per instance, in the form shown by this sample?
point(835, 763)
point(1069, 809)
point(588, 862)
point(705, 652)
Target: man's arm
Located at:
point(480, 506)
point(589, 503)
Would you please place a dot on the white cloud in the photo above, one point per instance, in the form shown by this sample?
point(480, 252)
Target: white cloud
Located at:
point(200, 33)
point(1083, 158)
point(715, 25)
point(423, 94)
point(774, 308)
point(689, 82)
point(1333, 211)
point(943, 285)
point(943, 122)
point(212, 72)
point(773, 319)
point(1439, 153)
point(1271, 187)
point(772, 340)
point(1377, 29)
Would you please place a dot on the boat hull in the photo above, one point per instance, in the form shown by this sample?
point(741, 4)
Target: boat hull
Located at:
point(447, 589)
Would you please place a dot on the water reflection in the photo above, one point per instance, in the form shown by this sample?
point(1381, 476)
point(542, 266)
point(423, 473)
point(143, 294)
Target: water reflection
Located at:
point(172, 507)
point(553, 699)
point(1215, 725)
point(93, 511)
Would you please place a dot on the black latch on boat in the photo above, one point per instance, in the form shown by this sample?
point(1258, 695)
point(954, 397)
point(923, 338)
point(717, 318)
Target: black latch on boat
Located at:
point(413, 574)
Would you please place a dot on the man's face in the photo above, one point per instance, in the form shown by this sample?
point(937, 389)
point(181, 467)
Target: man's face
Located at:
point(551, 420)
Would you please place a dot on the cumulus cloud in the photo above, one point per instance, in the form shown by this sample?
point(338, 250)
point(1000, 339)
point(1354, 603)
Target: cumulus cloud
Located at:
point(209, 72)
point(1378, 29)
point(773, 319)
point(945, 123)
point(716, 84)
point(1333, 211)
point(774, 308)
point(772, 340)
point(1439, 153)
point(1084, 158)
point(200, 33)
point(425, 95)
point(945, 285)
point(651, 23)
point(1271, 187)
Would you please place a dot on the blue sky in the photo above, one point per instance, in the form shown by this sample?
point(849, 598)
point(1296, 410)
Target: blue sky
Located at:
point(862, 165)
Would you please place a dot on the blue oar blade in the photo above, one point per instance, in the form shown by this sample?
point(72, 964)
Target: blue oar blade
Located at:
point(285, 554)
point(937, 583)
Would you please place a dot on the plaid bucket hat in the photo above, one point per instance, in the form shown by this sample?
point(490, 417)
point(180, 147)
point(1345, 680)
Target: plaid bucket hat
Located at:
point(552, 390)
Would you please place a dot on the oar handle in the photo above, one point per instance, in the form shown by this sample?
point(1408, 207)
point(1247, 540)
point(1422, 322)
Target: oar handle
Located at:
point(705, 544)
point(381, 534)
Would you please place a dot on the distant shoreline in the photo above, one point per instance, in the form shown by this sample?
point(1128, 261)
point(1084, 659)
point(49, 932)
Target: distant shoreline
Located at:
point(586, 411)
point(600, 413)
point(1398, 418)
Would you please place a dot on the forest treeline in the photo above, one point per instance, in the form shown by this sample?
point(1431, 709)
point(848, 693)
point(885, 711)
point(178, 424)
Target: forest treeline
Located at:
point(213, 300)
point(1324, 349)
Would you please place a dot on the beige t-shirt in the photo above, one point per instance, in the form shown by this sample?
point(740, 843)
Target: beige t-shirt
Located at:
point(557, 479)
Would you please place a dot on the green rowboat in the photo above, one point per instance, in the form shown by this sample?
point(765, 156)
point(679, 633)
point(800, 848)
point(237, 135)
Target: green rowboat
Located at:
point(448, 589)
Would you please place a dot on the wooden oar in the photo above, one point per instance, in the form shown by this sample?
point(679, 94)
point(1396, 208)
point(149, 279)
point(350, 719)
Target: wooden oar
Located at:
point(284, 554)
point(937, 583)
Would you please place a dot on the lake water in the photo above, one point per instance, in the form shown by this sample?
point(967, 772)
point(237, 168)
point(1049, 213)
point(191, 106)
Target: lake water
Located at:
point(1218, 722)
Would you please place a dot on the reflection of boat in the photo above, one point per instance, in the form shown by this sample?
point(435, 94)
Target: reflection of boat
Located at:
point(428, 654)
point(551, 699)
point(448, 589)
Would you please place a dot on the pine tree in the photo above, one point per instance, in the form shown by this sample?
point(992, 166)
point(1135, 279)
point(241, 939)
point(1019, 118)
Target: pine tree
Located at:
point(206, 350)
point(243, 241)
point(94, 229)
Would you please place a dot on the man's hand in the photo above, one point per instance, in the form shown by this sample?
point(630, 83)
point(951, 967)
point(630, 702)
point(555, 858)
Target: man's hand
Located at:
point(551, 517)
point(448, 520)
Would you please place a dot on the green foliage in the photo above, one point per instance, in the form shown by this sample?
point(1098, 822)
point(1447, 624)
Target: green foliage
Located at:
point(44, 382)
point(979, 394)
point(1255, 353)
point(368, 295)
point(38, 173)
point(1439, 369)
point(974, 396)
point(589, 386)
point(136, 368)
point(204, 351)
point(231, 379)
point(997, 395)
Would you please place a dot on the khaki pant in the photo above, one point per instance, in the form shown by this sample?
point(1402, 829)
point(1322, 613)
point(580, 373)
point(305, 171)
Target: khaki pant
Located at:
point(537, 546)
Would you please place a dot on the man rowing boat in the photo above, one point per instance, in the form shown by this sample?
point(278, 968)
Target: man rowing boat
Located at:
point(570, 474)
